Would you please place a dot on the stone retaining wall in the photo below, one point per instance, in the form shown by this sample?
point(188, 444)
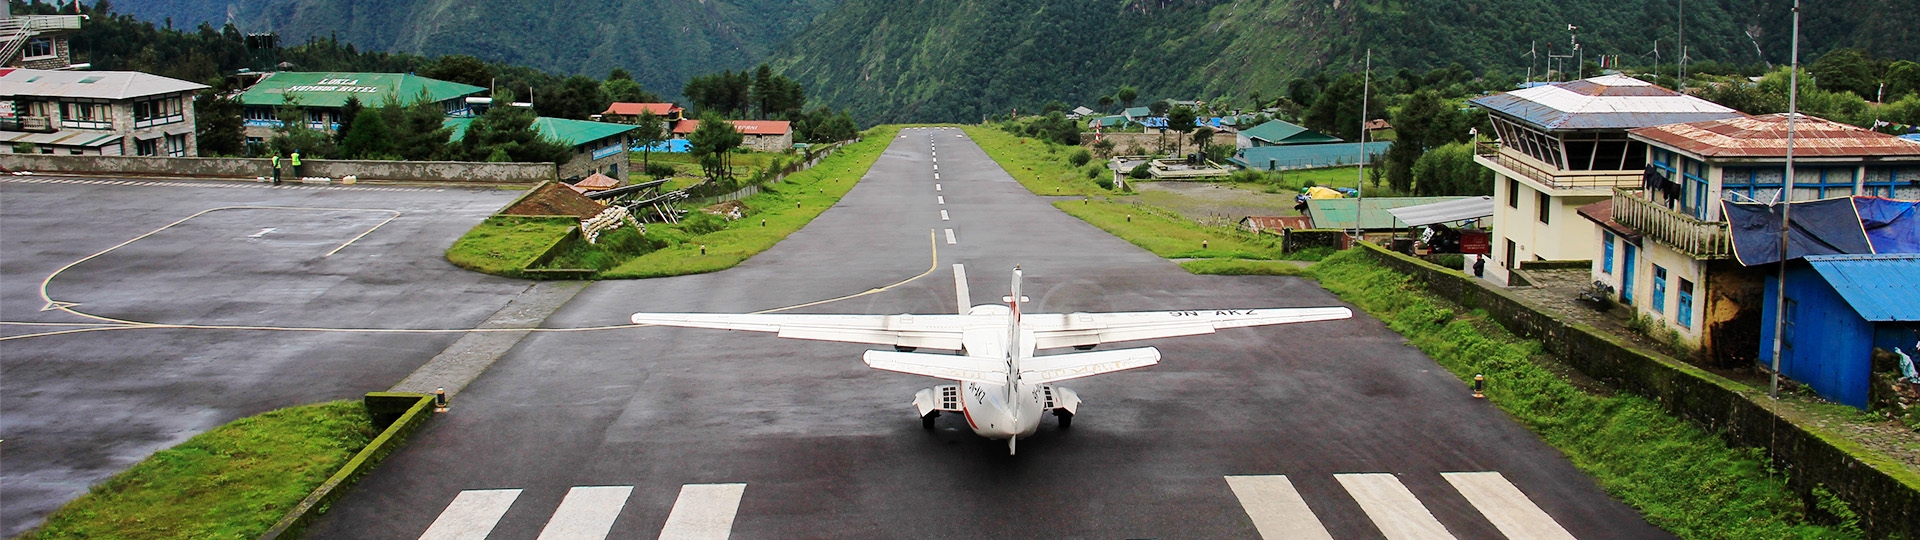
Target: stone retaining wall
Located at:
point(250, 168)
point(1884, 493)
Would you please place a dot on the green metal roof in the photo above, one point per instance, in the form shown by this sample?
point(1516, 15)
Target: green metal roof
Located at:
point(1278, 133)
point(1338, 213)
point(1110, 121)
point(565, 131)
point(331, 89)
point(1138, 112)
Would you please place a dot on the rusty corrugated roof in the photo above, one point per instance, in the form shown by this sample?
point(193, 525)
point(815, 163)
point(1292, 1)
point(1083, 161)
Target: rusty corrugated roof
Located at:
point(1275, 224)
point(1766, 136)
point(1601, 213)
point(634, 109)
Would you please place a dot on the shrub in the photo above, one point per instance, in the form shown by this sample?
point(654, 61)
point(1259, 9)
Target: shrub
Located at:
point(1104, 183)
point(660, 170)
point(1093, 172)
point(1139, 172)
point(702, 223)
point(1079, 157)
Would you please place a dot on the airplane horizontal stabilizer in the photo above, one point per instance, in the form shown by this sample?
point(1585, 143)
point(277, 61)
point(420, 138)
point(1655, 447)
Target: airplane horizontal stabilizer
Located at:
point(944, 366)
point(920, 331)
point(1060, 367)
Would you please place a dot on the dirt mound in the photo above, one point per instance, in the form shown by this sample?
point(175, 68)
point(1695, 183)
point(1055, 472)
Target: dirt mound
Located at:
point(729, 209)
point(553, 199)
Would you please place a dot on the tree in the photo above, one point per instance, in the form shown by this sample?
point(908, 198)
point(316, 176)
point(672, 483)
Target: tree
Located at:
point(712, 140)
point(1450, 170)
point(420, 130)
point(1201, 137)
point(349, 112)
point(651, 131)
point(508, 134)
point(727, 93)
point(1846, 70)
point(619, 74)
point(1126, 95)
point(1106, 103)
point(1903, 77)
point(217, 125)
point(295, 135)
point(1414, 126)
point(460, 68)
point(1336, 109)
point(1180, 120)
point(627, 91)
point(369, 137)
point(1158, 108)
point(577, 97)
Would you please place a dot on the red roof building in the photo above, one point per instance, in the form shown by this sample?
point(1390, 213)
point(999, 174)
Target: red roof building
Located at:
point(1765, 136)
point(761, 135)
point(626, 112)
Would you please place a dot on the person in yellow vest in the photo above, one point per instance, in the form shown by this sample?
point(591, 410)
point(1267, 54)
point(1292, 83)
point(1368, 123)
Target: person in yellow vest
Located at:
point(276, 168)
point(295, 160)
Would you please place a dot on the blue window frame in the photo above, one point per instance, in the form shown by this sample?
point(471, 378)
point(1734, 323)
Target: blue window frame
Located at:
point(1659, 289)
point(1888, 181)
point(1683, 313)
point(1606, 252)
point(1626, 274)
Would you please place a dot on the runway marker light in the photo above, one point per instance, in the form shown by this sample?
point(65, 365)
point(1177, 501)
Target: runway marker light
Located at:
point(1479, 386)
point(1203, 244)
point(763, 223)
point(1129, 218)
point(796, 205)
point(440, 400)
point(703, 249)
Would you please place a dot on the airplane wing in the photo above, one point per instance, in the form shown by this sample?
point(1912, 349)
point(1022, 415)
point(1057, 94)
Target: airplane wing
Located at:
point(1087, 329)
point(1060, 367)
point(919, 331)
point(944, 366)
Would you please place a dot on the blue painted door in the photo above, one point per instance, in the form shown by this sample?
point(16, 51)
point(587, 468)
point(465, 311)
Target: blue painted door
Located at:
point(1626, 274)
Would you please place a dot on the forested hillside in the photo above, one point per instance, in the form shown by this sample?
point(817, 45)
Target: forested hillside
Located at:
point(661, 42)
point(894, 60)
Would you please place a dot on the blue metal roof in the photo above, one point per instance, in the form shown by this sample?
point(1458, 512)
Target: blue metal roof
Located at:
point(1878, 287)
point(1307, 156)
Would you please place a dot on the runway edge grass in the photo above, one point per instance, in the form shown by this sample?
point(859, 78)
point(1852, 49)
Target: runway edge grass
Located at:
point(1680, 477)
point(233, 481)
point(786, 207)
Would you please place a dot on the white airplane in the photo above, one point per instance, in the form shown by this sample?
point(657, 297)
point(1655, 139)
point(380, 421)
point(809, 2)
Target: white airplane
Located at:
point(1003, 388)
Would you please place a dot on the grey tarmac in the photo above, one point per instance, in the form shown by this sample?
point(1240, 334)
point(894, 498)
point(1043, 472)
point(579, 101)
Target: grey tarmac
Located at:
point(632, 432)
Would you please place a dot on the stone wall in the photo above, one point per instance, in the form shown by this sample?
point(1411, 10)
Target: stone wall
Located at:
point(250, 168)
point(1884, 494)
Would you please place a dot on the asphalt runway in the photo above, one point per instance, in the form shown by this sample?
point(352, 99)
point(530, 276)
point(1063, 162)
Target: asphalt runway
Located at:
point(77, 408)
point(688, 433)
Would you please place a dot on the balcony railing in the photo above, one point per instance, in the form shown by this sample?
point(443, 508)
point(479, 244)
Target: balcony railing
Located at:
point(1555, 178)
point(39, 124)
point(1699, 239)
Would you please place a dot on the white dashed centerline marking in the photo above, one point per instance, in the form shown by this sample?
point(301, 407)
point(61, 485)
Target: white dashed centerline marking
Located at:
point(943, 215)
point(936, 187)
point(941, 198)
point(703, 512)
point(471, 515)
point(936, 176)
point(1277, 510)
point(1510, 510)
point(950, 240)
point(587, 513)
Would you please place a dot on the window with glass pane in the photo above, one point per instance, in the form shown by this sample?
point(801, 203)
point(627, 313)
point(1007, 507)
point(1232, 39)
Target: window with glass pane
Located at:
point(1684, 312)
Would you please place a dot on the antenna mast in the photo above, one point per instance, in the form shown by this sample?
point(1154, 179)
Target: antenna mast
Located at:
point(1360, 183)
point(1786, 207)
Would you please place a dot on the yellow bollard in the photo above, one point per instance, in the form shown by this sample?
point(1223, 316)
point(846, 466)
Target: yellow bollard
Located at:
point(1479, 386)
point(440, 400)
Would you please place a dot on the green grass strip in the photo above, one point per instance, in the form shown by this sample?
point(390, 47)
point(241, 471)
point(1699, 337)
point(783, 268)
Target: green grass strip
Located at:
point(1040, 166)
point(1681, 477)
point(1242, 267)
point(502, 245)
point(785, 207)
point(232, 482)
point(1166, 234)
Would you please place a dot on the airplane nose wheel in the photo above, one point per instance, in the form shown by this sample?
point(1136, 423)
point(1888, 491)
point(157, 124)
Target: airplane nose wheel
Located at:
point(926, 422)
point(1066, 418)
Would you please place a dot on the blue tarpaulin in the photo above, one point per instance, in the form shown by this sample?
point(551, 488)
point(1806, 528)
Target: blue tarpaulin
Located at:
point(1892, 226)
point(669, 146)
point(1824, 227)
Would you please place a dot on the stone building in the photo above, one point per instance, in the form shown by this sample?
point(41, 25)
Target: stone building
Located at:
point(37, 41)
point(759, 135)
point(96, 113)
point(320, 95)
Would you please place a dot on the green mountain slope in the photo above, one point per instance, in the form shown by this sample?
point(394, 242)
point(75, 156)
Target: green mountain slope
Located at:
point(925, 60)
point(661, 42)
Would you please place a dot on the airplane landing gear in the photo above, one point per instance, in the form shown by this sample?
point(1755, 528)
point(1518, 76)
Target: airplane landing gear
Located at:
point(926, 422)
point(1066, 418)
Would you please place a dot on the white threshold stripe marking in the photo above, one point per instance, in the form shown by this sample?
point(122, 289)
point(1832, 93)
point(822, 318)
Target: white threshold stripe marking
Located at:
point(703, 512)
point(471, 515)
point(942, 199)
point(943, 215)
point(950, 240)
point(936, 187)
point(1277, 510)
point(1510, 510)
point(1393, 509)
point(960, 288)
point(587, 513)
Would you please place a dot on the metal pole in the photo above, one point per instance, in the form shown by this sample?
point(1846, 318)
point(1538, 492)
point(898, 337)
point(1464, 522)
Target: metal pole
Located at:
point(1360, 182)
point(1786, 208)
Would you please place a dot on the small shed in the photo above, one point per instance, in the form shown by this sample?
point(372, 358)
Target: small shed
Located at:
point(1839, 307)
point(1275, 224)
